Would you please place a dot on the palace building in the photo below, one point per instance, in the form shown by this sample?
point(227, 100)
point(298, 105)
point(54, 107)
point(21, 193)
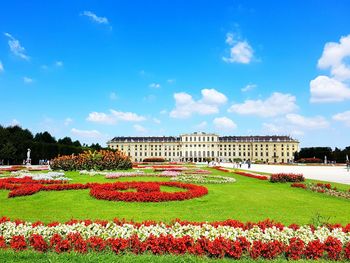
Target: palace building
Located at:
point(200, 147)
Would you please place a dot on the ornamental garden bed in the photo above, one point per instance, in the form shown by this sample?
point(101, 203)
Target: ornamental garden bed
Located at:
point(230, 238)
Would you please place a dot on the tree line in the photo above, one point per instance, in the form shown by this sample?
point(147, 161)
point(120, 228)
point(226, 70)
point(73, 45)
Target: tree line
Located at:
point(14, 142)
point(336, 155)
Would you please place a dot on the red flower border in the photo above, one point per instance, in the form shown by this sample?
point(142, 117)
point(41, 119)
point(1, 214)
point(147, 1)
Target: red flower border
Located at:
point(145, 191)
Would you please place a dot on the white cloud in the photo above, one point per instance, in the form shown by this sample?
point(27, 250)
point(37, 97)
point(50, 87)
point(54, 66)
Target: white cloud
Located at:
point(224, 123)
point(325, 89)
point(201, 125)
point(333, 58)
point(113, 96)
point(27, 80)
point(343, 117)
point(248, 87)
point(171, 81)
point(16, 48)
point(281, 128)
point(95, 18)
point(276, 104)
point(150, 98)
point(163, 112)
point(333, 88)
point(86, 133)
point(140, 128)
point(185, 105)
point(59, 64)
point(240, 51)
point(317, 122)
point(154, 85)
point(15, 122)
point(68, 121)
point(101, 117)
point(113, 117)
point(1, 67)
point(157, 121)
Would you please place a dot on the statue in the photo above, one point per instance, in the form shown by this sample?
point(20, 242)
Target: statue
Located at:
point(28, 157)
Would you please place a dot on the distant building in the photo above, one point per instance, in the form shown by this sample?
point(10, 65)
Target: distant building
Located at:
point(200, 146)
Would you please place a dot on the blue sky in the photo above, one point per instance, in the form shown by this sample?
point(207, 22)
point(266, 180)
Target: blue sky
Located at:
point(93, 70)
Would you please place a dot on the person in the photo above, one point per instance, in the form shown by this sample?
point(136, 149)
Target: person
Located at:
point(249, 163)
point(348, 166)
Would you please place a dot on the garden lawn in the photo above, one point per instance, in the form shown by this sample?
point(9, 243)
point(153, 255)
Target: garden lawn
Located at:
point(247, 199)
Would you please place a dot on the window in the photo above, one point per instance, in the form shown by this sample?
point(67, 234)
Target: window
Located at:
point(212, 139)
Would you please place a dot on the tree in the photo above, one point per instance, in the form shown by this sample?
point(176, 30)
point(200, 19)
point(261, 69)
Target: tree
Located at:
point(44, 137)
point(65, 141)
point(8, 152)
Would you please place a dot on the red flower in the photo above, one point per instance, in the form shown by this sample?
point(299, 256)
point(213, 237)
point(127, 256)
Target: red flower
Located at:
point(314, 250)
point(333, 247)
point(2, 242)
point(18, 243)
point(38, 243)
point(63, 246)
point(295, 249)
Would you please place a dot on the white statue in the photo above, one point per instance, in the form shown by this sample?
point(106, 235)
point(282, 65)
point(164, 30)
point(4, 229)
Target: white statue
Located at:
point(28, 157)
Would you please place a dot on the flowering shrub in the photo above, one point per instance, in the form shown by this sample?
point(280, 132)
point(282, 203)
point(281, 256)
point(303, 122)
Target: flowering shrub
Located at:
point(145, 191)
point(324, 189)
point(230, 238)
point(97, 160)
point(284, 177)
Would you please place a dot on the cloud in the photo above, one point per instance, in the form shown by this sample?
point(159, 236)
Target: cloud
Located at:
point(333, 88)
point(154, 85)
point(14, 122)
point(113, 96)
point(171, 81)
point(185, 105)
point(157, 121)
point(97, 19)
point(59, 64)
point(343, 117)
point(248, 87)
point(224, 123)
point(68, 121)
point(16, 48)
point(163, 112)
point(86, 133)
point(326, 89)
point(150, 98)
point(240, 51)
point(317, 122)
point(201, 125)
point(1, 67)
point(140, 128)
point(281, 128)
point(113, 117)
point(333, 58)
point(28, 80)
point(276, 104)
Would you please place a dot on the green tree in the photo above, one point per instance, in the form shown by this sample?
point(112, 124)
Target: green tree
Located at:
point(8, 152)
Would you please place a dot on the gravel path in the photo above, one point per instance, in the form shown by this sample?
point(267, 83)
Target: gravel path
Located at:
point(336, 174)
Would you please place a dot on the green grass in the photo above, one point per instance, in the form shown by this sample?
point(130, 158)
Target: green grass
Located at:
point(247, 200)
point(30, 256)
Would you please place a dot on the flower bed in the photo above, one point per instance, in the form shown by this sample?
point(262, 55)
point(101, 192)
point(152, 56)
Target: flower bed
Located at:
point(145, 191)
point(96, 160)
point(204, 179)
point(260, 177)
point(286, 177)
point(117, 175)
point(231, 239)
point(41, 176)
point(324, 189)
point(198, 171)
